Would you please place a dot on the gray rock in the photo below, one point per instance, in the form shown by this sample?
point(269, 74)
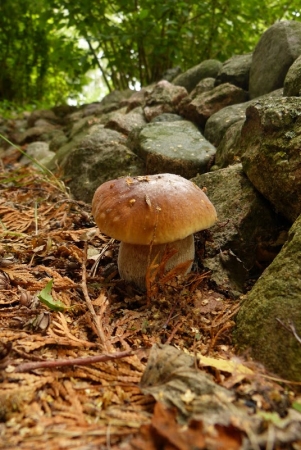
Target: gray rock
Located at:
point(38, 151)
point(229, 151)
point(137, 98)
point(111, 102)
point(77, 131)
point(102, 155)
point(245, 220)
point(203, 106)
point(62, 111)
point(270, 146)
point(81, 125)
point(275, 296)
point(113, 99)
point(62, 153)
point(95, 109)
point(125, 123)
point(171, 74)
point(42, 133)
point(174, 147)
point(164, 98)
point(218, 123)
point(167, 117)
point(74, 116)
point(190, 78)
point(205, 85)
point(236, 70)
point(57, 141)
point(292, 82)
point(275, 52)
point(46, 114)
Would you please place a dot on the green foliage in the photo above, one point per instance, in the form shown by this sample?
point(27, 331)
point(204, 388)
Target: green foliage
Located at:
point(129, 41)
point(38, 60)
point(139, 40)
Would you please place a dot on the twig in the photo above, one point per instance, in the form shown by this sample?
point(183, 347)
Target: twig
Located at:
point(95, 265)
point(217, 335)
point(95, 318)
point(26, 367)
point(36, 218)
point(174, 331)
point(169, 317)
point(291, 328)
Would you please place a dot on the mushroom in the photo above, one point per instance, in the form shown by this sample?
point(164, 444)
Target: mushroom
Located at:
point(147, 213)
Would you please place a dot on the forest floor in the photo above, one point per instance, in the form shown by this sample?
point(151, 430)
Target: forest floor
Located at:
point(88, 362)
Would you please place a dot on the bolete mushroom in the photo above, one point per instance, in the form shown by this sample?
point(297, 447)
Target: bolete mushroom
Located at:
point(147, 213)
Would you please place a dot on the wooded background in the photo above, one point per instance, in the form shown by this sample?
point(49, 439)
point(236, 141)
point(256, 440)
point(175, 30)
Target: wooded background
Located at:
point(42, 59)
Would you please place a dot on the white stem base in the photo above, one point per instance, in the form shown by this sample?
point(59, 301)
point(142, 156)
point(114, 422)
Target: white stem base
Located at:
point(133, 260)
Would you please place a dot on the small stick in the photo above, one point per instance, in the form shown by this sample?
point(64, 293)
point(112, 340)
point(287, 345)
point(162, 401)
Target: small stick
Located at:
point(220, 331)
point(25, 367)
point(174, 331)
point(291, 328)
point(36, 218)
point(169, 317)
point(95, 265)
point(95, 318)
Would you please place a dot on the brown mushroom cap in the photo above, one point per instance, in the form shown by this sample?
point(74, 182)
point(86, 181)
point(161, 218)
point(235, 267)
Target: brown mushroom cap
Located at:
point(151, 209)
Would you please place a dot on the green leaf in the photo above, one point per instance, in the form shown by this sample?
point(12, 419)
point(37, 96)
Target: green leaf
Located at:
point(297, 406)
point(272, 417)
point(143, 14)
point(46, 298)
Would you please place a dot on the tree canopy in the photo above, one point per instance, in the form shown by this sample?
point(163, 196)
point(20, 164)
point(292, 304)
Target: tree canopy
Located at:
point(129, 41)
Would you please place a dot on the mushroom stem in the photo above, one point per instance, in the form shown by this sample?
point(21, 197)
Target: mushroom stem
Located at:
point(133, 260)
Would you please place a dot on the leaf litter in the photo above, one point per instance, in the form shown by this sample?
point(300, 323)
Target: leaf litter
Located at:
point(89, 362)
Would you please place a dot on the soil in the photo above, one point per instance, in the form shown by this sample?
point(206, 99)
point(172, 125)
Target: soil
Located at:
point(75, 340)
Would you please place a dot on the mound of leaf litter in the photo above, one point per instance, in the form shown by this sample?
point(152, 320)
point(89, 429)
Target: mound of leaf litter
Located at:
point(88, 362)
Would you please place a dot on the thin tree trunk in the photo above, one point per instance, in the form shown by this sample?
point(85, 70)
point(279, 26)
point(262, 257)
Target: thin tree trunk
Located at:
point(98, 63)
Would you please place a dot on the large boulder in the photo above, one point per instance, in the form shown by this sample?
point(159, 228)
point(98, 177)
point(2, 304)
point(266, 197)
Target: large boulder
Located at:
point(275, 52)
point(125, 123)
point(270, 146)
point(38, 151)
point(236, 71)
point(245, 224)
point(190, 78)
point(137, 98)
point(207, 103)
point(42, 132)
point(175, 147)
point(164, 98)
point(101, 156)
point(228, 151)
point(219, 122)
point(269, 321)
point(47, 115)
point(292, 82)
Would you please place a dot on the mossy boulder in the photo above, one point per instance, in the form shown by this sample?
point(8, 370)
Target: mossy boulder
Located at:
point(272, 309)
point(270, 152)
